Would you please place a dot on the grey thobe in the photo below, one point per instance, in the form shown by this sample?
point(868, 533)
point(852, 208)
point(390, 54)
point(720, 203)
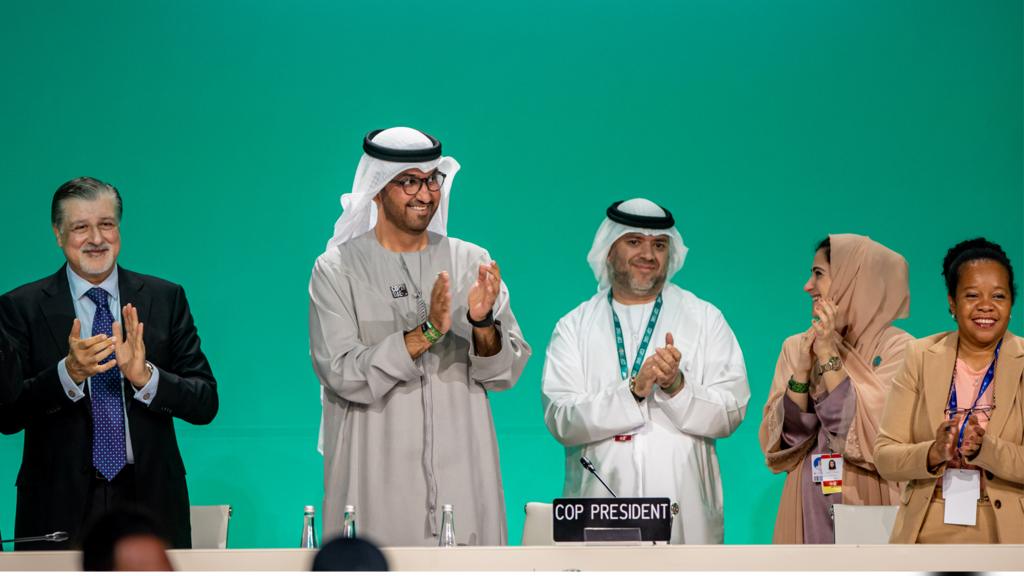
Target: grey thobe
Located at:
point(402, 437)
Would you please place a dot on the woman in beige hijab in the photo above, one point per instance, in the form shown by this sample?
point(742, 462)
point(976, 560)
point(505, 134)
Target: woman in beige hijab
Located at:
point(831, 382)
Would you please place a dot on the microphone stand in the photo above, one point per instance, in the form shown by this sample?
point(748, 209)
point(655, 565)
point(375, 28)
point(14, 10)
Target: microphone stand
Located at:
point(60, 536)
point(590, 468)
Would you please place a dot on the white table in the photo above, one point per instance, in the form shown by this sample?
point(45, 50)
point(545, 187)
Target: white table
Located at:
point(527, 558)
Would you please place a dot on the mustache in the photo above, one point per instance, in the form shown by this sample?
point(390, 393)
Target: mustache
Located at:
point(643, 260)
point(102, 246)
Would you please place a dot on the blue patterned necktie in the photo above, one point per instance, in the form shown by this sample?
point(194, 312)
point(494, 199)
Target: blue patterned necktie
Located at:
point(108, 444)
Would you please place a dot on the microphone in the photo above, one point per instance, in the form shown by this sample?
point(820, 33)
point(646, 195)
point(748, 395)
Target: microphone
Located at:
point(54, 537)
point(590, 468)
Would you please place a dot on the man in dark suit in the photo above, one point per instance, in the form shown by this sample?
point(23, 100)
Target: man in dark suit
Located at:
point(107, 358)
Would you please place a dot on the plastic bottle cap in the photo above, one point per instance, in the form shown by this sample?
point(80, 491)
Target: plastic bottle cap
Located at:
point(447, 508)
point(350, 508)
point(309, 510)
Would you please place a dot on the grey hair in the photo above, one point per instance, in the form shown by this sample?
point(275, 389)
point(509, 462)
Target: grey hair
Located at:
point(83, 188)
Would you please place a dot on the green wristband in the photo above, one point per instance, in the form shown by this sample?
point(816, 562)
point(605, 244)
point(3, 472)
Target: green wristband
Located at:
point(799, 387)
point(430, 332)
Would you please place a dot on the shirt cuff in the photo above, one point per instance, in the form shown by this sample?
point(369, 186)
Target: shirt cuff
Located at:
point(488, 367)
point(626, 397)
point(73, 391)
point(147, 393)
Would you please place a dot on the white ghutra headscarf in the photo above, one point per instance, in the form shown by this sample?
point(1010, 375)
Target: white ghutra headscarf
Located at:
point(359, 213)
point(641, 216)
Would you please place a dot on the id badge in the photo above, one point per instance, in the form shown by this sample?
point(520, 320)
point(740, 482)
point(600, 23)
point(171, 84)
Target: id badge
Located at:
point(816, 468)
point(831, 473)
point(961, 490)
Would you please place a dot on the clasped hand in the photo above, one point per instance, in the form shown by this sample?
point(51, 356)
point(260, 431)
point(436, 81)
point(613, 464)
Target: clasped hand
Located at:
point(819, 341)
point(90, 356)
point(946, 435)
point(660, 369)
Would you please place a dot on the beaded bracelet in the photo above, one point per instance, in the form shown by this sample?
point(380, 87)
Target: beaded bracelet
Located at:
point(799, 387)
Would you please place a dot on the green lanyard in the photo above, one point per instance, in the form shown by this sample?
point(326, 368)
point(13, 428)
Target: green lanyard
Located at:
point(620, 344)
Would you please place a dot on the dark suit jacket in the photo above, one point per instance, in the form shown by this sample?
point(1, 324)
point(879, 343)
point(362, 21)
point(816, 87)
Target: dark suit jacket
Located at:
point(10, 368)
point(56, 464)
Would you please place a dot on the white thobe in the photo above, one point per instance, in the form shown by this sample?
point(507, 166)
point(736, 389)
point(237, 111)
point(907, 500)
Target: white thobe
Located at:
point(670, 451)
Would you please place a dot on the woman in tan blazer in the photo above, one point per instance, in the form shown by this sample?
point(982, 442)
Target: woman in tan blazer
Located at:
point(941, 420)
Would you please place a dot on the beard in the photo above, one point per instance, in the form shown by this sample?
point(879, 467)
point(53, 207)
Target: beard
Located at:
point(622, 276)
point(399, 214)
point(96, 266)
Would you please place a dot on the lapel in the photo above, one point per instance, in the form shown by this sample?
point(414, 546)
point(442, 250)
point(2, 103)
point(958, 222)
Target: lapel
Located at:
point(1006, 382)
point(939, 360)
point(131, 285)
point(58, 309)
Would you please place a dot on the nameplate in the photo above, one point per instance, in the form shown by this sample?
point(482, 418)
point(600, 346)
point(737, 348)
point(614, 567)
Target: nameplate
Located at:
point(583, 519)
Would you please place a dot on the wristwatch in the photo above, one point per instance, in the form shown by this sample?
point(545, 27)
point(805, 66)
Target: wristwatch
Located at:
point(485, 323)
point(834, 363)
point(430, 332)
point(632, 390)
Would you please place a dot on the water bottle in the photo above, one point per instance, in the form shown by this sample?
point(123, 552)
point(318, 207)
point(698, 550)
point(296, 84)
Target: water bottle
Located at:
point(447, 539)
point(309, 528)
point(348, 529)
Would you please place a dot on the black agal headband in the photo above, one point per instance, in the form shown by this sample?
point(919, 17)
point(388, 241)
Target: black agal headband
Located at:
point(395, 155)
point(638, 221)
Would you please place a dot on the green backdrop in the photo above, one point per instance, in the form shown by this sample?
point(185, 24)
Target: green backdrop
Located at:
point(232, 127)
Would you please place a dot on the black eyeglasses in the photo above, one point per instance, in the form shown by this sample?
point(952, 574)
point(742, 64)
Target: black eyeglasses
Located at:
point(412, 185)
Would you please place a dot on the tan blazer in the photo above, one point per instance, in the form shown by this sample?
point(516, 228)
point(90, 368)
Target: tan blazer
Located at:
point(913, 411)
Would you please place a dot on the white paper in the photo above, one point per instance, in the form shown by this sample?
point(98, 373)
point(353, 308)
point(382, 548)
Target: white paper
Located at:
point(961, 490)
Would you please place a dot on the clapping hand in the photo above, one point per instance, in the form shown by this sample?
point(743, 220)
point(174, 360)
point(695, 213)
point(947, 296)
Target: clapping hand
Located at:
point(824, 325)
point(974, 434)
point(85, 355)
point(661, 369)
point(944, 447)
point(484, 291)
point(441, 303)
point(805, 360)
point(131, 349)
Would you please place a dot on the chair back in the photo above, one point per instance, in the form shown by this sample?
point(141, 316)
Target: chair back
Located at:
point(210, 526)
point(537, 527)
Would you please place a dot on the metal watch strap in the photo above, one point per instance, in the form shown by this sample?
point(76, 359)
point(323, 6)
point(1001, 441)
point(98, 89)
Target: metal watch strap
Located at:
point(834, 363)
point(632, 390)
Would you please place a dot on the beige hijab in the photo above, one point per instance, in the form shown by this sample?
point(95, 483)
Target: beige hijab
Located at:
point(871, 290)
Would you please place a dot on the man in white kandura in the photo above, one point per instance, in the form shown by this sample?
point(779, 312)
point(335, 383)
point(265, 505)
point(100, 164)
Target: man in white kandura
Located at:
point(644, 377)
point(410, 330)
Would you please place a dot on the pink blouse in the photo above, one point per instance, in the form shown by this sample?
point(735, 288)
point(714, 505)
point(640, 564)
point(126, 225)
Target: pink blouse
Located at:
point(968, 382)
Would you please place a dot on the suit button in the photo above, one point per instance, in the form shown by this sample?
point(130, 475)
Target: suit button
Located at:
point(989, 475)
point(998, 504)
